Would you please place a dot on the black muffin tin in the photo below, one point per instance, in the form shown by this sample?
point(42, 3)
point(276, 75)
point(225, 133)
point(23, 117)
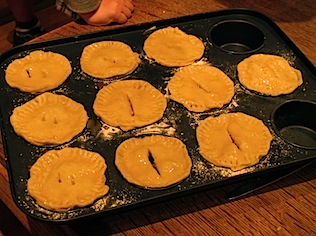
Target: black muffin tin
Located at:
point(229, 37)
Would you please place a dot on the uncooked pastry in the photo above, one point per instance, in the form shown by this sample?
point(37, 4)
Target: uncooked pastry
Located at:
point(233, 140)
point(172, 47)
point(71, 177)
point(108, 59)
point(38, 72)
point(49, 119)
point(129, 103)
point(153, 161)
point(201, 87)
point(268, 74)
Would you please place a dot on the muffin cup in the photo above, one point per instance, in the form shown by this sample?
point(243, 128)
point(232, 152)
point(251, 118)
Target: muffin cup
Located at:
point(237, 36)
point(294, 121)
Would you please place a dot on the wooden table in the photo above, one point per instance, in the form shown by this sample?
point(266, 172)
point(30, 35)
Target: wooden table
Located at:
point(287, 207)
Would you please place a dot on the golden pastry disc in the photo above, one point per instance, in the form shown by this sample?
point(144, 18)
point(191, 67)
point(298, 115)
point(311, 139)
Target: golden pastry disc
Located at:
point(129, 103)
point(49, 119)
point(201, 87)
point(153, 161)
point(108, 59)
point(172, 47)
point(268, 74)
point(233, 140)
point(38, 72)
point(71, 177)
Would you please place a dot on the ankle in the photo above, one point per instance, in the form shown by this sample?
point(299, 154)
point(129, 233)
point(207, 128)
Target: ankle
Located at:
point(28, 24)
point(26, 31)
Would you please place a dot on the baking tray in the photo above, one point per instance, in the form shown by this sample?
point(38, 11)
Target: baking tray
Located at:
point(230, 36)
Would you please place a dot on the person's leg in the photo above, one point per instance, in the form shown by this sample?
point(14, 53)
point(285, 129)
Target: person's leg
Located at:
point(27, 24)
point(22, 10)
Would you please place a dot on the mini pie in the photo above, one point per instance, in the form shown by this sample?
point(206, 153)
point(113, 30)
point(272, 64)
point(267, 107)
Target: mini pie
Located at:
point(201, 87)
point(71, 177)
point(49, 119)
point(153, 161)
point(38, 72)
point(233, 140)
point(108, 59)
point(129, 103)
point(172, 47)
point(268, 74)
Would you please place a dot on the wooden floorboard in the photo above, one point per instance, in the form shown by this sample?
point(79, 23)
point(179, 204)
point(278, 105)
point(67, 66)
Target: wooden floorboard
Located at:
point(9, 225)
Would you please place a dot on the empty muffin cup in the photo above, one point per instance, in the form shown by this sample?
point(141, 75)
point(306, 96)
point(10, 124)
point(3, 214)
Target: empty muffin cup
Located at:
point(237, 36)
point(295, 122)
